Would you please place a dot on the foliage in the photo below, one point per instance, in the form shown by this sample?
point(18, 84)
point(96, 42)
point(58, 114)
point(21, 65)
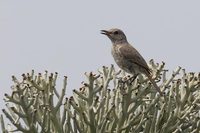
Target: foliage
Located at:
point(109, 102)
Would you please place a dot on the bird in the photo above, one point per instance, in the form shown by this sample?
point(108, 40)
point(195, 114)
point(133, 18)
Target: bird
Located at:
point(127, 57)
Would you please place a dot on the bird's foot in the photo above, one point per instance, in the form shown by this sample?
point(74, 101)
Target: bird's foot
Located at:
point(121, 83)
point(127, 80)
point(132, 79)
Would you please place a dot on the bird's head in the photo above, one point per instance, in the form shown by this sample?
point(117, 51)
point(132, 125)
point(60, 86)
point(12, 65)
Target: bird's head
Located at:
point(116, 35)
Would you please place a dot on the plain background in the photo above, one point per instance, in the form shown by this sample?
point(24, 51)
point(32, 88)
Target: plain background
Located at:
point(64, 36)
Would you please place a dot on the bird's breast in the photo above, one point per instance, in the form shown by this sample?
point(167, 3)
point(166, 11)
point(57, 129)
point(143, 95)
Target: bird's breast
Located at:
point(119, 59)
point(122, 62)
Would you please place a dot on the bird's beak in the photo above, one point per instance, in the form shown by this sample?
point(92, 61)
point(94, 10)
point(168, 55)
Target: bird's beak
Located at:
point(105, 32)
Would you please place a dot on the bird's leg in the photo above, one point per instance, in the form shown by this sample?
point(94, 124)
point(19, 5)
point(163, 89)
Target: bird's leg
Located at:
point(132, 79)
point(121, 83)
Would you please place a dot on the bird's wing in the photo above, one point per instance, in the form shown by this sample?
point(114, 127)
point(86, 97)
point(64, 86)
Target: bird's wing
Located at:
point(131, 54)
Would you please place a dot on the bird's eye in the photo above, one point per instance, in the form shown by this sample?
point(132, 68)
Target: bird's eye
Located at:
point(116, 32)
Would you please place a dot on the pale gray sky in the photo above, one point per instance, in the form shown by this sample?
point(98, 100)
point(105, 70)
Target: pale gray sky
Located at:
point(64, 36)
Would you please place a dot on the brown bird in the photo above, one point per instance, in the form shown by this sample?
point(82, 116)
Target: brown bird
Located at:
point(126, 56)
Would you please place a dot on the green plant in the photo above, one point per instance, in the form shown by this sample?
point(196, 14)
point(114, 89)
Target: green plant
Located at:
point(108, 102)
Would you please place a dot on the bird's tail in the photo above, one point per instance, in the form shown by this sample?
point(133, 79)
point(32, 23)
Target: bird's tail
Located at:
point(154, 84)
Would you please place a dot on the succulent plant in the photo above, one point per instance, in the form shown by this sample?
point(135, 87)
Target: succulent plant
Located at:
point(110, 101)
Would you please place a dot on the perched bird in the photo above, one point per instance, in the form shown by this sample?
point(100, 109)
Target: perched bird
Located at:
point(126, 56)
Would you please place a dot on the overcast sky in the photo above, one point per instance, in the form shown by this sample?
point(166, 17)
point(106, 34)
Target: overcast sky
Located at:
point(64, 36)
